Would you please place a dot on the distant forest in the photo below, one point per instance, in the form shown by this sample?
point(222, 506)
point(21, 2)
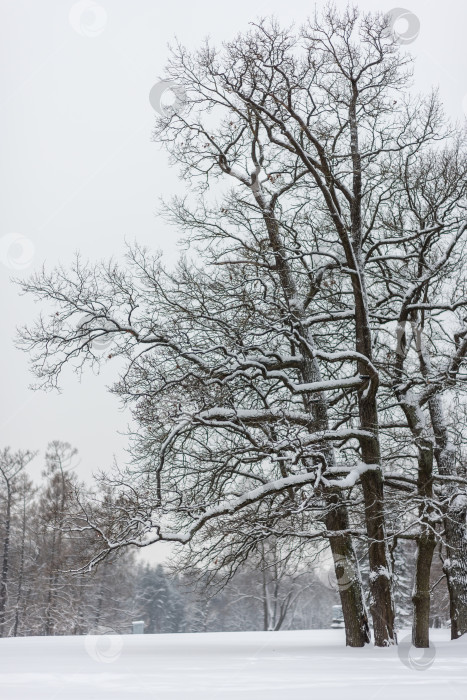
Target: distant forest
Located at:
point(46, 589)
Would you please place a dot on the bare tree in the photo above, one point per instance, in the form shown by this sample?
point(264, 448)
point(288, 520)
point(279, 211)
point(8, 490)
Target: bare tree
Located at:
point(420, 311)
point(256, 373)
point(24, 570)
point(281, 585)
point(54, 506)
point(329, 111)
point(11, 466)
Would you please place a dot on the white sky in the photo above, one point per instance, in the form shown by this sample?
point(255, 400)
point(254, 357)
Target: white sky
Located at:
point(79, 170)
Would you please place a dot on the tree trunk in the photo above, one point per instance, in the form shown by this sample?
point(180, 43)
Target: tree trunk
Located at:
point(455, 565)
point(426, 543)
point(5, 562)
point(353, 607)
point(349, 584)
point(382, 601)
point(426, 540)
point(265, 601)
point(421, 596)
point(19, 593)
point(381, 586)
point(51, 590)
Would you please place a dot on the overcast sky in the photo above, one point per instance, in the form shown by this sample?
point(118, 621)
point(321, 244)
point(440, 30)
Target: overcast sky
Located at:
point(79, 170)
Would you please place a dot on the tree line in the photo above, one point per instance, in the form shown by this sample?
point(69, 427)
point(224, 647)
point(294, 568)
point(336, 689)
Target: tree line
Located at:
point(39, 594)
point(44, 590)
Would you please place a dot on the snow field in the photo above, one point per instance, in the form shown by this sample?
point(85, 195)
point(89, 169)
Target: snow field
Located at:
point(242, 665)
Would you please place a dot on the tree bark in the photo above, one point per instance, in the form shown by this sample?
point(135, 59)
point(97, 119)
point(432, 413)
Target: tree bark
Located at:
point(421, 596)
point(426, 539)
point(382, 602)
point(349, 584)
point(426, 543)
point(455, 566)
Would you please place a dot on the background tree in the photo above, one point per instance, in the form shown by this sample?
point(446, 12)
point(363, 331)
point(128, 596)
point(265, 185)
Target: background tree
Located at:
point(159, 601)
point(12, 465)
point(24, 539)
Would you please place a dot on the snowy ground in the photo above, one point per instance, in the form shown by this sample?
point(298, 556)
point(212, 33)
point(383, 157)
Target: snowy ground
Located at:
point(243, 665)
